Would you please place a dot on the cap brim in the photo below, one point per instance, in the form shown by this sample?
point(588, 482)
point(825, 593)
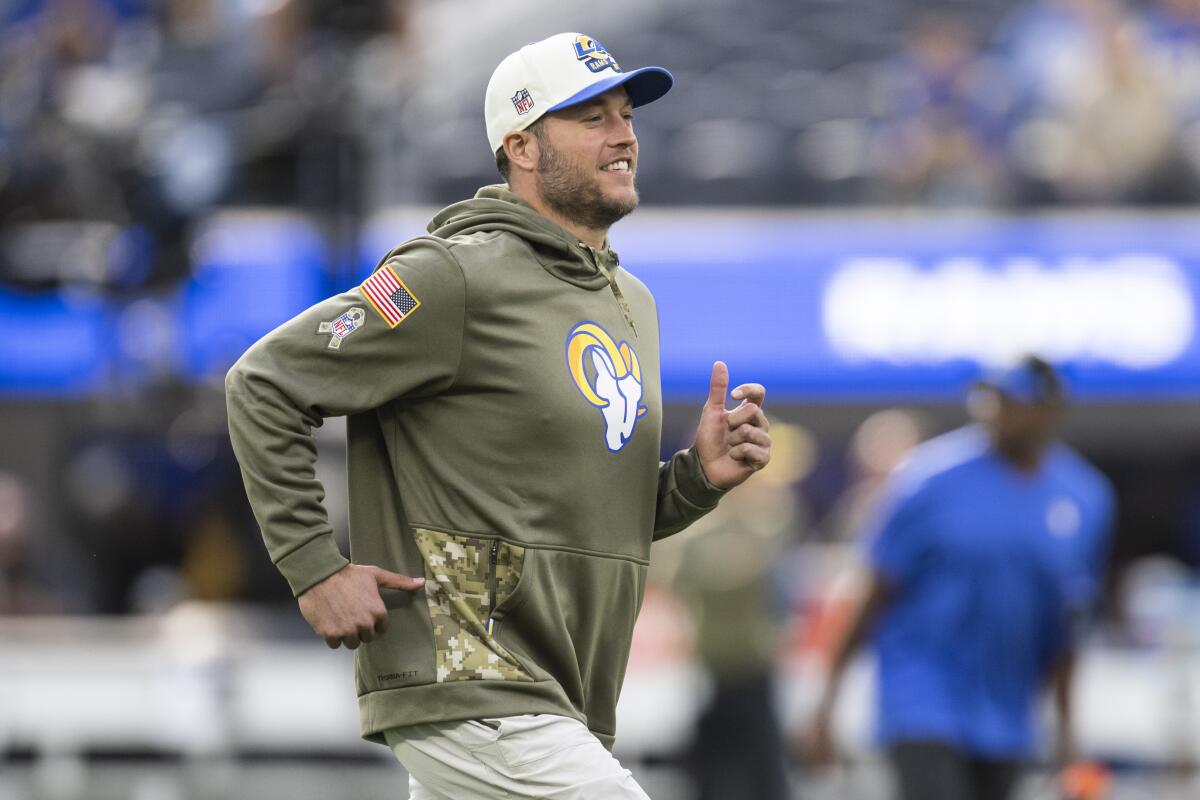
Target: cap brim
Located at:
point(1019, 386)
point(644, 85)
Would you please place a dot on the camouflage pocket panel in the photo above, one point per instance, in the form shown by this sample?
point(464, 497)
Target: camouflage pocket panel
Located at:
point(467, 578)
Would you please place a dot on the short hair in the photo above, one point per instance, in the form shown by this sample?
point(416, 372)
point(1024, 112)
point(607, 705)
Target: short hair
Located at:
point(502, 162)
point(1049, 383)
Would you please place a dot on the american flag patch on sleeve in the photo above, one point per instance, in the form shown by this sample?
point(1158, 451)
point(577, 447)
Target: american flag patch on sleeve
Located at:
point(390, 297)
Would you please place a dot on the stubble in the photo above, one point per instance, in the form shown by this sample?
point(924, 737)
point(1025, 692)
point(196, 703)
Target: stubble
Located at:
point(572, 192)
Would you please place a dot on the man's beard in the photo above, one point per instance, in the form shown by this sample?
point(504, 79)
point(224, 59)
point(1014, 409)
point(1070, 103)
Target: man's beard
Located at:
point(572, 193)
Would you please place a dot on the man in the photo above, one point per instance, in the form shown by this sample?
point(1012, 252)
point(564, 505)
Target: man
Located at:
point(990, 540)
point(500, 379)
point(730, 572)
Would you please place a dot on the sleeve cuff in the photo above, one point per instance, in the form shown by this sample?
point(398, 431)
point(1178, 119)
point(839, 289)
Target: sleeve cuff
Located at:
point(311, 563)
point(692, 483)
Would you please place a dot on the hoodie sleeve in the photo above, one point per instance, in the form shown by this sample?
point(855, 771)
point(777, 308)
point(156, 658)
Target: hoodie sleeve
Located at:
point(684, 494)
point(398, 335)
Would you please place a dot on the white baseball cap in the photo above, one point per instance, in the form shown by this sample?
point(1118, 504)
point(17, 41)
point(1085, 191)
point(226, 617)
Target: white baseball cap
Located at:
point(559, 72)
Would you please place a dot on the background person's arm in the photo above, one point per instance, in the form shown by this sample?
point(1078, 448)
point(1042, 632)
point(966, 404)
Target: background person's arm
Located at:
point(865, 609)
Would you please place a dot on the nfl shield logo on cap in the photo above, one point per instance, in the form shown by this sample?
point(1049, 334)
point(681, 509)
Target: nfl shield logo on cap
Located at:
point(522, 101)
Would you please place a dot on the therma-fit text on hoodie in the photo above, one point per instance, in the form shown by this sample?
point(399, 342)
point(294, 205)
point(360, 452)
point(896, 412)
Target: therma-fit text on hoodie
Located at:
point(501, 387)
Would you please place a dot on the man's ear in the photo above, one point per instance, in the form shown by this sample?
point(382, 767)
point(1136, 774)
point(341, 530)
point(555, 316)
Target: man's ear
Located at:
point(522, 150)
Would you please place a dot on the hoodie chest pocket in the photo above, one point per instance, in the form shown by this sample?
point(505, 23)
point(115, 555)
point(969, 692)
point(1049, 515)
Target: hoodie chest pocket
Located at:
point(468, 579)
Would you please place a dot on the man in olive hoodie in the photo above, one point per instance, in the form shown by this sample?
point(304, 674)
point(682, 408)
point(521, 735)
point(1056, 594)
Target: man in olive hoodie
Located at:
point(500, 380)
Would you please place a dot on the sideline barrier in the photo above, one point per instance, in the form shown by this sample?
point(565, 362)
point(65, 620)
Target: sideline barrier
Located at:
point(208, 680)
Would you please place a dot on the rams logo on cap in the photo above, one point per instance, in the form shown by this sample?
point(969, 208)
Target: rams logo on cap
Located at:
point(593, 54)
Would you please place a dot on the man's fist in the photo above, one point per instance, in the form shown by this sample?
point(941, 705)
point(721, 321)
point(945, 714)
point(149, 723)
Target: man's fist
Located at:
point(346, 608)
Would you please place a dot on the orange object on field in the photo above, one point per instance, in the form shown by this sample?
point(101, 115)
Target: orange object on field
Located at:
point(1085, 780)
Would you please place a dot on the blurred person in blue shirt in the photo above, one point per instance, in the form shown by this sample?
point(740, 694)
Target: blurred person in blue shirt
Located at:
point(990, 542)
point(1091, 120)
point(940, 136)
point(1170, 33)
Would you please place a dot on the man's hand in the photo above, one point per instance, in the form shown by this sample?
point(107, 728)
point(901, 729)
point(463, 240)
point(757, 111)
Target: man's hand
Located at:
point(732, 445)
point(346, 608)
point(817, 746)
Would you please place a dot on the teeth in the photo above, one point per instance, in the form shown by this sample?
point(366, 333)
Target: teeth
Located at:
point(618, 166)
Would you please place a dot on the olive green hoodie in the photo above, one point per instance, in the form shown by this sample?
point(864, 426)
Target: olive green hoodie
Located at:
point(501, 384)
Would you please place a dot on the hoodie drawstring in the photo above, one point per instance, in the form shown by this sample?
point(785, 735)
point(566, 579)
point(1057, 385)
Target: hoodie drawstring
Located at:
point(603, 265)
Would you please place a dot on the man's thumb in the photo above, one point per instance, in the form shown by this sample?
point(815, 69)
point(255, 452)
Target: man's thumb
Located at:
point(718, 385)
point(394, 580)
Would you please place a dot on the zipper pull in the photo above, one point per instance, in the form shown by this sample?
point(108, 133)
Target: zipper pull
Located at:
point(493, 559)
point(603, 265)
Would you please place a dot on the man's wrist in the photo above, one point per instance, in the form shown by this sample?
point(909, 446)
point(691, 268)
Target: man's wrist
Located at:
point(311, 563)
point(694, 483)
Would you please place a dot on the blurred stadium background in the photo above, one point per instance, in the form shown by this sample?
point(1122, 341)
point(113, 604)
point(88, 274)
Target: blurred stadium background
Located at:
point(859, 203)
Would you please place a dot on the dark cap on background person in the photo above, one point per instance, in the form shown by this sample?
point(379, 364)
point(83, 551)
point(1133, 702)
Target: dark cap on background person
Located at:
point(1030, 381)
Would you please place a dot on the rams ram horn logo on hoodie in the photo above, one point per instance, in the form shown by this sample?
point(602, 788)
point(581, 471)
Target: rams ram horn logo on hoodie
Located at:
point(609, 377)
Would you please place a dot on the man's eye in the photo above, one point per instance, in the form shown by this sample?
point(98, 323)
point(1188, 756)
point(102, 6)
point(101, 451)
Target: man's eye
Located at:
point(595, 118)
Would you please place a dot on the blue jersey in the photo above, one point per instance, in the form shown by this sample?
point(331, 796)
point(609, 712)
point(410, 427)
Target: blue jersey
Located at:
point(990, 565)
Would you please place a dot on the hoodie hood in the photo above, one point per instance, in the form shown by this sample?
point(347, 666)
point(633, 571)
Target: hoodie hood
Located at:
point(495, 208)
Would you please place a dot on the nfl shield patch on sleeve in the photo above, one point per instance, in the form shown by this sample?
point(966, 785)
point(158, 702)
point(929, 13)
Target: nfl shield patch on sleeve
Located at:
point(341, 327)
point(390, 297)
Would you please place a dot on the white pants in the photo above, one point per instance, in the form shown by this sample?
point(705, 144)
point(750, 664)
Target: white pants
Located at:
point(540, 756)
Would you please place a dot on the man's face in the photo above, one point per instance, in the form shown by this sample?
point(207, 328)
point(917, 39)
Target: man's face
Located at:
point(588, 160)
point(1023, 428)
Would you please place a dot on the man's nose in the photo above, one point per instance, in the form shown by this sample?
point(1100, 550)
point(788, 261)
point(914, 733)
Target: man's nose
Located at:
point(622, 135)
